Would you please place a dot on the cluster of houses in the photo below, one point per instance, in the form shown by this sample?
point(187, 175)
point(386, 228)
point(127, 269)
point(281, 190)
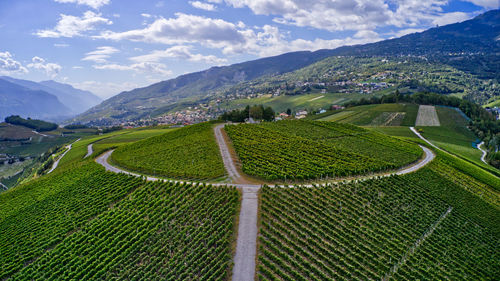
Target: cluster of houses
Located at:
point(188, 116)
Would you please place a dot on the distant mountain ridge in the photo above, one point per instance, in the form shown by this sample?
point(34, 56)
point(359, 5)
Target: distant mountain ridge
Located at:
point(18, 100)
point(475, 43)
point(76, 100)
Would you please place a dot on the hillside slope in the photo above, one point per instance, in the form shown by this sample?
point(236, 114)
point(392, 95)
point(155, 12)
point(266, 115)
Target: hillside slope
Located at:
point(471, 46)
point(142, 101)
point(18, 100)
point(76, 100)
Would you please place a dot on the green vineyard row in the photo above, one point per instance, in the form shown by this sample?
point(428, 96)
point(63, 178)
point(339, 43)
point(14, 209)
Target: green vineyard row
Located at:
point(187, 153)
point(36, 216)
point(361, 231)
point(161, 231)
point(302, 150)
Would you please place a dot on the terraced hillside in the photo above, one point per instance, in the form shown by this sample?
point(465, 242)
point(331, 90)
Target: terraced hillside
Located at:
point(302, 150)
point(187, 153)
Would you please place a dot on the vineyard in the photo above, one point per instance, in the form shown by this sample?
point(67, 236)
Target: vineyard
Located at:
point(186, 153)
point(301, 150)
point(162, 231)
point(36, 216)
point(394, 228)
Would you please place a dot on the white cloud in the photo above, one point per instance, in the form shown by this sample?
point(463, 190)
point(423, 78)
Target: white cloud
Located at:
point(182, 29)
point(146, 15)
point(270, 41)
point(493, 4)
point(10, 66)
point(229, 37)
point(141, 67)
point(96, 4)
point(69, 26)
point(328, 15)
point(335, 15)
point(51, 69)
point(101, 54)
point(61, 45)
point(180, 52)
point(407, 31)
point(448, 18)
point(203, 6)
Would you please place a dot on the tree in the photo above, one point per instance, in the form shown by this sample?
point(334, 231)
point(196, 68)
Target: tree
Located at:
point(256, 112)
point(289, 111)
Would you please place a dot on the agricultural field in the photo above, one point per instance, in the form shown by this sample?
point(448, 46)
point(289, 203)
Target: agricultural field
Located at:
point(389, 114)
point(161, 230)
point(421, 226)
point(51, 207)
point(427, 116)
point(303, 150)
point(310, 101)
point(187, 153)
point(454, 136)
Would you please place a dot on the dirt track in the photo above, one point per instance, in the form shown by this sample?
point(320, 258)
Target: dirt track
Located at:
point(246, 242)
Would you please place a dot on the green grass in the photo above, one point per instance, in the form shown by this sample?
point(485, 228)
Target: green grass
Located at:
point(376, 115)
point(454, 137)
point(302, 150)
point(38, 146)
point(493, 103)
point(187, 153)
point(396, 131)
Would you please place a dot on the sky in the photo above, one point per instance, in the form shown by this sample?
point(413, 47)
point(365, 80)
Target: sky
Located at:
point(109, 46)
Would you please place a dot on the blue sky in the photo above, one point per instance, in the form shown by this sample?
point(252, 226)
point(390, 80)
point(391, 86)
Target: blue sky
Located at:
point(108, 46)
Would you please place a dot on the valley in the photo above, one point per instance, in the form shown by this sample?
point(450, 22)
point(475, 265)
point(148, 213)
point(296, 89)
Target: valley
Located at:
point(234, 150)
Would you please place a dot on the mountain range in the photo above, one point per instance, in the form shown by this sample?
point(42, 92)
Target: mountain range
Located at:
point(472, 46)
point(49, 100)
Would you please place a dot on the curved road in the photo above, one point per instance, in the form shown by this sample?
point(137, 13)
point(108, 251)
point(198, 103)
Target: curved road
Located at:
point(246, 242)
point(483, 157)
point(90, 150)
point(54, 166)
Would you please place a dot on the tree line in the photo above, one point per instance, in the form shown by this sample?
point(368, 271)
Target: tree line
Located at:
point(39, 125)
point(256, 112)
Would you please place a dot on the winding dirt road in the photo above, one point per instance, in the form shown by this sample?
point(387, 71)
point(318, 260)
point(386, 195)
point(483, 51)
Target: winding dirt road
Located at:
point(90, 150)
point(246, 242)
point(54, 166)
point(483, 157)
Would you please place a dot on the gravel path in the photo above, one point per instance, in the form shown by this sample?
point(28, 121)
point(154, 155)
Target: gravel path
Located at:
point(246, 242)
point(424, 139)
point(483, 157)
point(226, 156)
point(427, 116)
point(54, 166)
point(90, 150)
